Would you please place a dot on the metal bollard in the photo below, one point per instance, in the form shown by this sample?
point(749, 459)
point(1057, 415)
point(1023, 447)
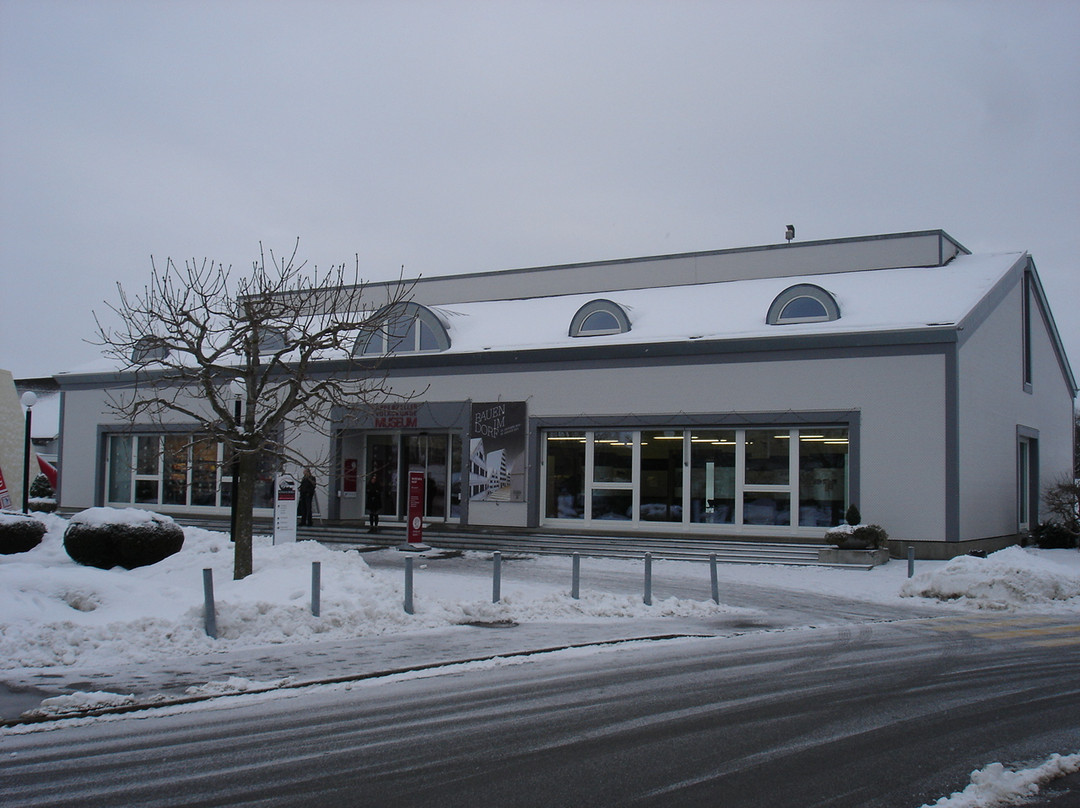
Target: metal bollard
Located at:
point(496, 576)
point(575, 581)
point(715, 581)
point(910, 561)
point(648, 579)
point(316, 586)
point(210, 619)
point(408, 586)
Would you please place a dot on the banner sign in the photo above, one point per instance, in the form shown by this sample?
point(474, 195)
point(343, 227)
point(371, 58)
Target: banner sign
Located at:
point(5, 497)
point(285, 496)
point(497, 451)
point(349, 476)
point(416, 507)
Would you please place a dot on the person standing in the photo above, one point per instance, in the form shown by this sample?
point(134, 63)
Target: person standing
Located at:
point(307, 496)
point(373, 501)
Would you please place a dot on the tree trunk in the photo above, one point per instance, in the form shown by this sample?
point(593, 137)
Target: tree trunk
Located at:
point(245, 504)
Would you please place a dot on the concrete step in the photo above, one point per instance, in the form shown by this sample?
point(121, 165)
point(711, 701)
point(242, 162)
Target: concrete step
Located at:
point(612, 546)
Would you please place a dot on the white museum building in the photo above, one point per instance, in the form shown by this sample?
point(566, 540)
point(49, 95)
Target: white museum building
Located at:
point(749, 394)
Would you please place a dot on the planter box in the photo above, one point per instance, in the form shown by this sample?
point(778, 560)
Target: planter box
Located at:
point(834, 555)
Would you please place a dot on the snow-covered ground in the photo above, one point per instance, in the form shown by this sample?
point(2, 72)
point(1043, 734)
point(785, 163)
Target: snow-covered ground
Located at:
point(57, 614)
point(54, 612)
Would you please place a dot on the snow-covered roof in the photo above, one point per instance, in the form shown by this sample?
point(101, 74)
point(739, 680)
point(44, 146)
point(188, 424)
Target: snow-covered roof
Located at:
point(870, 301)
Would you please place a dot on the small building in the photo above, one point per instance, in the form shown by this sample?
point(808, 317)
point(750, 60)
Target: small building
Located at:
point(736, 394)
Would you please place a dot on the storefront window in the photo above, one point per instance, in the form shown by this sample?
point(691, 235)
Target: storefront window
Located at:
point(823, 477)
point(767, 457)
point(181, 470)
point(712, 476)
point(204, 466)
point(612, 505)
point(175, 468)
point(565, 488)
point(737, 477)
point(613, 457)
point(662, 476)
point(120, 468)
point(772, 508)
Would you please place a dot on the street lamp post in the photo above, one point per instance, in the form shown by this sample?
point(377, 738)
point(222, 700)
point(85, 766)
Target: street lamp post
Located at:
point(29, 399)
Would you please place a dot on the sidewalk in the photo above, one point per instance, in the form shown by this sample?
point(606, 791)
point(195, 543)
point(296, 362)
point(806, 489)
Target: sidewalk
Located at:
point(192, 678)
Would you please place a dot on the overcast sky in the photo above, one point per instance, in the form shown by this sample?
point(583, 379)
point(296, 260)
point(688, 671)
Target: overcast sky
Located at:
point(455, 137)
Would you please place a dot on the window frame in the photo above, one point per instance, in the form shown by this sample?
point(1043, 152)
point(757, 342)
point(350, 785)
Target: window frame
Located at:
point(812, 291)
point(600, 305)
point(415, 317)
point(794, 491)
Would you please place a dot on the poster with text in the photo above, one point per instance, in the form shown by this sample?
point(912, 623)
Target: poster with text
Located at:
point(497, 451)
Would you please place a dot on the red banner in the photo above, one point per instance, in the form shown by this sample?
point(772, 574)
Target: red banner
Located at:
point(348, 476)
point(416, 507)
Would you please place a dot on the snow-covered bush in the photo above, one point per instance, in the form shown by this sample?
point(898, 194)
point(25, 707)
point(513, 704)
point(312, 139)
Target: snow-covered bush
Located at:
point(121, 537)
point(857, 537)
point(41, 495)
point(19, 532)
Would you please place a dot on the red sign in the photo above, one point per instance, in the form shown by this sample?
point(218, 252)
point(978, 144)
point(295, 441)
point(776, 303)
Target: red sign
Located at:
point(416, 507)
point(348, 475)
point(5, 498)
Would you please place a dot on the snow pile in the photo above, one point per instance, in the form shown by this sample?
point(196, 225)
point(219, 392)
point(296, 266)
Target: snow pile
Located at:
point(1008, 579)
point(80, 702)
point(95, 517)
point(55, 612)
point(996, 785)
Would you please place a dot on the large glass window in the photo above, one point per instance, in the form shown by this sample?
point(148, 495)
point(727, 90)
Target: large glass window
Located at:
point(775, 477)
point(767, 457)
point(823, 476)
point(120, 468)
point(662, 476)
point(712, 476)
point(178, 470)
point(613, 456)
point(565, 479)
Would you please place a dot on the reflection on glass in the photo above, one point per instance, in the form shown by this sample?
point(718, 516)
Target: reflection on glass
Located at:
point(712, 476)
point(565, 483)
point(767, 453)
point(120, 468)
point(662, 476)
point(766, 509)
point(613, 456)
point(823, 476)
point(613, 505)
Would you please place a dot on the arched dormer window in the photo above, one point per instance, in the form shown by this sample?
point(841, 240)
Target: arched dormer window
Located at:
point(598, 317)
point(803, 303)
point(271, 340)
point(148, 349)
point(404, 328)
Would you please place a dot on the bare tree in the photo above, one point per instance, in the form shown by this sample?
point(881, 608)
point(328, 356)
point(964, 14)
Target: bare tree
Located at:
point(198, 339)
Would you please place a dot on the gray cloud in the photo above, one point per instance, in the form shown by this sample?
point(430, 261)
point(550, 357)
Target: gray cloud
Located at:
point(467, 136)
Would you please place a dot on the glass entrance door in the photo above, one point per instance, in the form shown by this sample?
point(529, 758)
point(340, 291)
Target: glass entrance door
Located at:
point(427, 454)
point(381, 474)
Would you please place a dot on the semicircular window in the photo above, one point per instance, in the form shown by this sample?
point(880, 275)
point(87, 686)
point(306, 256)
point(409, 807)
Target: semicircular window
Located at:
point(599, 317)
point(803, 303)
point(402, 328)
point(149, 349)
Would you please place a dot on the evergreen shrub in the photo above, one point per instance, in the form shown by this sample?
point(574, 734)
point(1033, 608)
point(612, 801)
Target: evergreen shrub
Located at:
point(19, 532)
point(126, 538)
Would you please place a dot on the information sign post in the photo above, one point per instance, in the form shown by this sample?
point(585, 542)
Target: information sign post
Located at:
point(284, 509)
